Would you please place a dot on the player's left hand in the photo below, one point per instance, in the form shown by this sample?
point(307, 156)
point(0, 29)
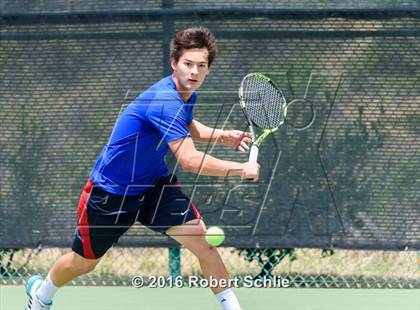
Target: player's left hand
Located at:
point(237, 139)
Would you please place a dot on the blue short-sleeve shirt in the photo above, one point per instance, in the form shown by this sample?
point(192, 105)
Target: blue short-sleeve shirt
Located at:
point(133, 158)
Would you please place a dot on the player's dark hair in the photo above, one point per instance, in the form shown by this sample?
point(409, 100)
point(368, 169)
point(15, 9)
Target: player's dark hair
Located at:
point(197, 37)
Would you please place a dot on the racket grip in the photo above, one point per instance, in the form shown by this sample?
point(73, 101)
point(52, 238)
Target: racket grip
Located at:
point(253, 154)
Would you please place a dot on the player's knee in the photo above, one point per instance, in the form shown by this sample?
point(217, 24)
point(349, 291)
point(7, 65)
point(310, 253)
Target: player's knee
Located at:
point(207, 252)
point(87, 266)
point(83, 265)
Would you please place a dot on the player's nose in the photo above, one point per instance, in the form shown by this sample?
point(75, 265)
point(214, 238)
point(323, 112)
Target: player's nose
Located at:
point(194, 70)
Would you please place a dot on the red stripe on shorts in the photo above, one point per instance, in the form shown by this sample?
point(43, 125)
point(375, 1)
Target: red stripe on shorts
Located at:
point(197, 214)
point(83, 221)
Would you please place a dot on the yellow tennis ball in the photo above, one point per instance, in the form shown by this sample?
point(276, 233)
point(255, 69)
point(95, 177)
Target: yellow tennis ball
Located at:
point(215, 236)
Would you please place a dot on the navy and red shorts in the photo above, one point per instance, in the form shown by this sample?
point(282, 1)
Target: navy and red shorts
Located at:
point(104, 217)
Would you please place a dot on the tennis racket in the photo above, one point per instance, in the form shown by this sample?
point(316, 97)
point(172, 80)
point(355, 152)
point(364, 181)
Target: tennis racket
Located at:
point(265, 109)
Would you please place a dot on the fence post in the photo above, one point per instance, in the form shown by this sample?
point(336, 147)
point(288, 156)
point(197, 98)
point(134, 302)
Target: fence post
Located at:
point(168, 31)
point(175, 262)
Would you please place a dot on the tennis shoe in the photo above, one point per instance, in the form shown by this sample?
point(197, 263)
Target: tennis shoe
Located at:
point(34, 302)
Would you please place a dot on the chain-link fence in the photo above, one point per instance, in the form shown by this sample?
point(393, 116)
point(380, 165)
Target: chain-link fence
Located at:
point(301, 267)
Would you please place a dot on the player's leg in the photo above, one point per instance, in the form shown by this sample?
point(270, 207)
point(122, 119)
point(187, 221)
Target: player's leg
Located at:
point(97, 230)
point(191, 235)
point(67, 267)
point(70, 266)
point(168, 210)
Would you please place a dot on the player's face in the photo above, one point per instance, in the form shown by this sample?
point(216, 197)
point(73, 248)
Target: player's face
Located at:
point(190, 70)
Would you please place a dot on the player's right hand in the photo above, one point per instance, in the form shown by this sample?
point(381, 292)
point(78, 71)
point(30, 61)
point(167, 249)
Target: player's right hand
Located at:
point(251, 171)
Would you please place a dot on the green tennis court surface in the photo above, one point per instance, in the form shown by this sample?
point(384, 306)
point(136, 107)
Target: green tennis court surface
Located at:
point(13, 297)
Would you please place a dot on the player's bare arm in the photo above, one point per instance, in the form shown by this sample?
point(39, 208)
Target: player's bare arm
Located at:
point(235, 139)
point(195, 161)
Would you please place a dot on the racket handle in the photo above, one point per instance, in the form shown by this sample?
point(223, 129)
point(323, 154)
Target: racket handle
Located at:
point(253, 154)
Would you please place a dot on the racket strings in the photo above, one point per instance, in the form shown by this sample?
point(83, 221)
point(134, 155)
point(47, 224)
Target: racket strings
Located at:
point(264, 103)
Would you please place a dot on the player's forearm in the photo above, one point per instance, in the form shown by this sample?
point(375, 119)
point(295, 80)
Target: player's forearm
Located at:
point(210, 136)
point(205, 164)
point(203, 134)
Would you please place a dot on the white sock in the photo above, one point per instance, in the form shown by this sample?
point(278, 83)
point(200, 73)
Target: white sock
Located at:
point(228, 300)
point(46, 290)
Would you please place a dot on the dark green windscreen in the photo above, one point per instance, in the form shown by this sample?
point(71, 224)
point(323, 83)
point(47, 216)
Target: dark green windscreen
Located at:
point(351, 180)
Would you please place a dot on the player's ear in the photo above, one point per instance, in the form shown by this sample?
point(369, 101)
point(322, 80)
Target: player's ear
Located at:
point(209, 67)
point(173, 64)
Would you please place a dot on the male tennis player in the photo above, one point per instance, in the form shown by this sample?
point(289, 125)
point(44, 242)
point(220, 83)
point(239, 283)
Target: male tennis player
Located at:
point(129, 181)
